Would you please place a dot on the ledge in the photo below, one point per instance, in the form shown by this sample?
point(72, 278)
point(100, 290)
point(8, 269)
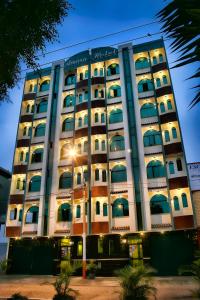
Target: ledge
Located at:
point(159, 67)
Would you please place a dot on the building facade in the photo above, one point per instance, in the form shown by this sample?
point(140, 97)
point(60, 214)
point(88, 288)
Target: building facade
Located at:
point(194, 177)
point(116, 107)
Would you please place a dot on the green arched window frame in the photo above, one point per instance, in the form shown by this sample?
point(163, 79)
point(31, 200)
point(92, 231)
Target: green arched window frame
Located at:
point(142, 63)
point(85, 121)
point(70, 79)
point(105, 210)
point(103, 145)
point(152, 138)
point(113, 69)
point(145, 85)
point(96, 72)
point(40, 130)
point(148, 110)
point(176, 203)
point(167, 136)
point(164, 79)
point(35, 184)
point(78, 211)
point(162, 107)
point(64, 213)
point(96, 145)
point(21, 156)
point(44, 86)
point(65, 180)
point(118, 174)
point(117, 143)
point(114, 91)
point(155, 61)
point(97, 208)
point(37, 156)
point(120, 208)
point(96, 174)
point(171, 168)
point(169, 104)
point(160, 58)
point(159, 205)
point(184, 200)
point(116, 116)
point(104, 175)
point(155, 169)
point(32, 215)
point(69, 101)
point(42, 106)
point(78, 179)
point(174, 133)
point(68, 124)
point(158, 82)
point(80, 122)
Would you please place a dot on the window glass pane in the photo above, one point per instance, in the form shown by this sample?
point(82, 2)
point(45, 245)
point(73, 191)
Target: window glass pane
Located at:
point(176, 203)
point(184, 200)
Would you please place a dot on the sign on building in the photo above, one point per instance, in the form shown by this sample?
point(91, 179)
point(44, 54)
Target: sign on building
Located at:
point(194, 175)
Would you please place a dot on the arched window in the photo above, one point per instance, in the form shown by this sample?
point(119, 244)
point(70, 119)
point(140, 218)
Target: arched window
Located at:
point(162, 107)
point(155, 169)
point(120, 208)
point(40, 130)
point(145, 85)
point(81, 76)
point(28, 108)
point(96, 93)
point(21, 156)
point(86, 74)
point(85, 146)
point(167, 137)
point(176, 203)
point(85, 175)
point(29, 131)
point(102, 118)
point(148, 110)
point(32, 109)
point(37, 156)
point(152, 138)
point(104, 176)
point(23, 184)
point(68, 101)
point(42, 106)
point(159, 205)
point(95, 72)
point(30, 88)
point(24, 130)
point(13, 214)
point(64, 152)
point(96, 174)
point(65, 181)
point(103, 145)
point(179, 164)
point(155, 60)
point(97, 208)
point(105, 209)
point(101, 93)
point(184, 200)
point(116, 116)
point(68, 124)
point(78, 211)
point(32, 215)
point(79, 148)
point(117, 143)
point(18, 184)
point(70, 79)
point(35, 184)
point(171, 167)
point(44, 86)
point(80, 98)
point(118, 174)
point(78, 180)
point(27, 157)
point(64, 213)
point(142, 63)
point(174, 133)
point(101, 72)
point(86, 95)
point(164, 79)
point(160, 58)
point(113, 69)
point(158, 82)
point(96, 145)
point(96, 117)
point(79, 122)
point(20, 215)
point(114, 91)
point(169, 104)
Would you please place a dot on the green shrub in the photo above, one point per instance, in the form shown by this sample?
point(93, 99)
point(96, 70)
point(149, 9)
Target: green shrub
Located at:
point(18, 296)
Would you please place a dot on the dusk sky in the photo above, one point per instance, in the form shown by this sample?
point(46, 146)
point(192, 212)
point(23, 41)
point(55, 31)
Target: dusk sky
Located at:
point(92, 18)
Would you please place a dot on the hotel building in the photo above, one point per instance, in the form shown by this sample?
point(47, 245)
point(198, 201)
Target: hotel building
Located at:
point(116, 107)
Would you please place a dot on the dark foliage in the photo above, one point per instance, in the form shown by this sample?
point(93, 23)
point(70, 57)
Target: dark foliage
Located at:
point(181, 21)
point(18, 296)
point(25, 27)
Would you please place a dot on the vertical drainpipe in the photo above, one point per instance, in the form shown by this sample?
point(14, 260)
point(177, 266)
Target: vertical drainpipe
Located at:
point(89, 206)
point(50, 150)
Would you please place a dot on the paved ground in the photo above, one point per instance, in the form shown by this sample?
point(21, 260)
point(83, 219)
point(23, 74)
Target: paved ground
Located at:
point(169, 288)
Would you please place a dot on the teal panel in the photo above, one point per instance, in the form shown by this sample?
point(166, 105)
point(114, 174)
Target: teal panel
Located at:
point(39, 73)
point(148, 46)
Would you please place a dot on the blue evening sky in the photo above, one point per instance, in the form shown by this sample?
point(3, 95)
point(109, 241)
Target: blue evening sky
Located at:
point(91, 18)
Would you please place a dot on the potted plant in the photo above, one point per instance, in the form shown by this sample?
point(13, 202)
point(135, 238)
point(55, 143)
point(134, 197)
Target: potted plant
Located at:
point(91, 269)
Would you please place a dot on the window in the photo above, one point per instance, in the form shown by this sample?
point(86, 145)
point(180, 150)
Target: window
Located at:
point(102, 118)
point(167, 137)
point(169, 104)
point(44, 86)
point(32, 109)
point(105, 209)
point(79, 248)
point(152, 138)
point(101, 72)
point(24, 130)
point(85, 175)
point(68, 101)
point(64, 213)
point(37, 156)
point(96, 174)
point(79, 148)
point(120, 208)
point(28, 108)
point(179, 164)
point(27, 157)
point(64, 153)
point(176, 203)
point(85, 146)
point(96, 117)
point(171, 167)
point(114, 91)
point(68, 124)
point(159, 205)
point(162, 107)
point(29, 131)
point(145, 85)
point(160, 58)
point(86, 74)
point(174, 133)
point(103, 145)
point(116, 116)
point(118, 174)
point(148, 110)
point(101, 93)
point(34, 184)
point(158, 82)
point(113, 70)
point(40, 130)
point(81, 76)
point(30, 88)
point(95, 72)
point(86, 95)
point(79, 122)
point(141, 63)
point(20, 215)
point(21, 156)
point(97, 208)
point(13, 214)
point(164, 79)
point(18, 185)
point(78, 178)
point(70, 79)
point(104, 176)
point(117, 143)
point(42, 106)
point(65, 181)
point(155, 169)
point(80, 98)
point(184, 200)
point(78, 211)
point(96, 93)
point(96, 145)
point(32, 215)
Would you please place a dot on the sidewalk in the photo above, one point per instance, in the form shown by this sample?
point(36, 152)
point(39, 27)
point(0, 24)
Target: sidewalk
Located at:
point(102, 288)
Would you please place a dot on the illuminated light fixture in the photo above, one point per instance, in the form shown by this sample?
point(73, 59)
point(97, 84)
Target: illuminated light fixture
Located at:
point(162, 232)
point(142, 233)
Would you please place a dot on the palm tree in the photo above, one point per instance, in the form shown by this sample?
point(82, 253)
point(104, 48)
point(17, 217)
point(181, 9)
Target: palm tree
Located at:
point(136, 282)
point(181, 21)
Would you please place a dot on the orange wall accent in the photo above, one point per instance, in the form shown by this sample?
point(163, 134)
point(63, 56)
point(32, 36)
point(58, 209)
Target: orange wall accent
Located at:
point(100, 227)
point(99, 191)
point(78, 228)
point(183, 222)
point(12, 231)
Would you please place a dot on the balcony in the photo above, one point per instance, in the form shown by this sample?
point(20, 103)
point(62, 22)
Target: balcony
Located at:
point(146, 94)
point(120, 224)
point(150, 120)
point(153, 149)
point(116, 126)
point(157, 182)
point(63, 227)
point(161, 221)
point(66, 134)
point(117, 154)
point(114, 100)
